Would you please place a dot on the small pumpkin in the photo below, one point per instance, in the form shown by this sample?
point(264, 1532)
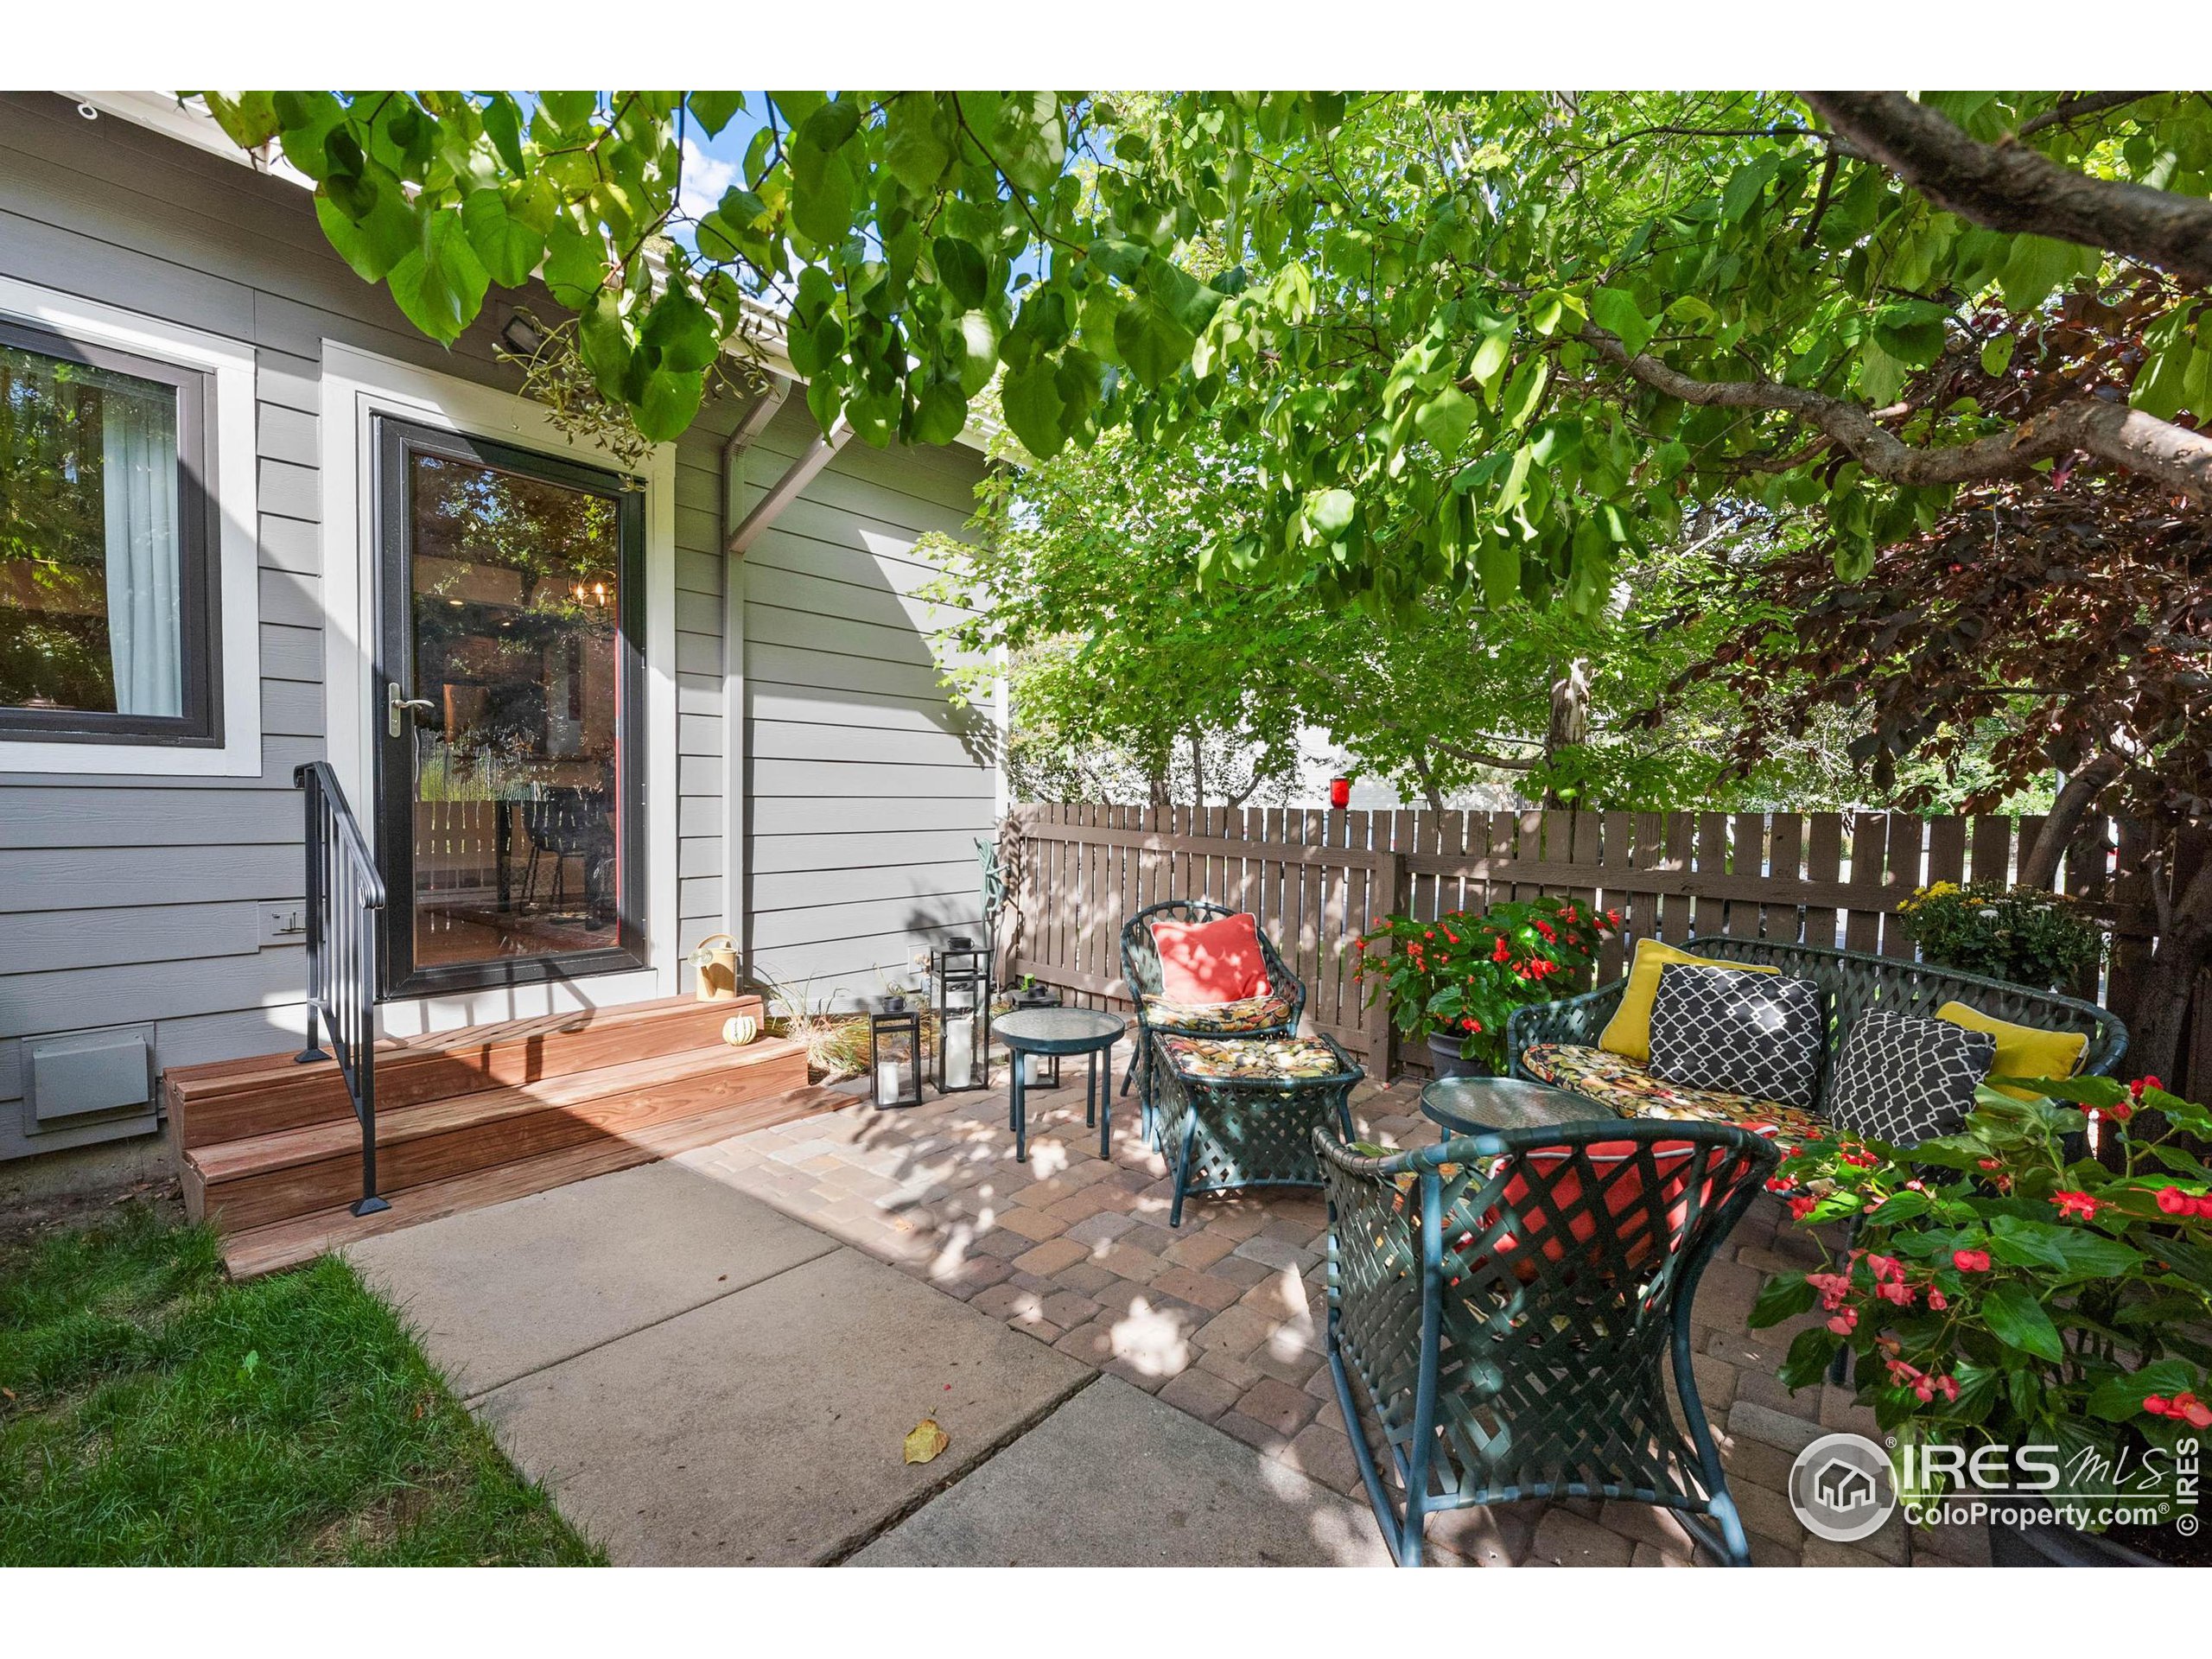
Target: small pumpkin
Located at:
point(739, 1029)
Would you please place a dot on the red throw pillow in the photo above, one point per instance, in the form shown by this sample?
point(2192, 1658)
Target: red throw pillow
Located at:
point(1218, 961)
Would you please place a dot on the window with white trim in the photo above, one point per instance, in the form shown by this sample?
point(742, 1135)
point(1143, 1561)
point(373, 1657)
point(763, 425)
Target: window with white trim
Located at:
point(108, 565)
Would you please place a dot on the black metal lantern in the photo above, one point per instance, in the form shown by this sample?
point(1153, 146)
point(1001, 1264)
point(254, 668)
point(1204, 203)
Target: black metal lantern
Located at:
point(962, 977)
point(894, 1052)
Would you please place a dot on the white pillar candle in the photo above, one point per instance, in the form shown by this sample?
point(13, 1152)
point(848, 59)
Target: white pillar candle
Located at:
point(890, 1080)
point(960, 1052)
point(1033, 1068)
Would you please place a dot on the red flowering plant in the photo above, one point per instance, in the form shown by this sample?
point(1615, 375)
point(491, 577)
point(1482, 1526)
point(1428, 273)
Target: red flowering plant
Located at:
point(1462, 973)
point(2003, 1287)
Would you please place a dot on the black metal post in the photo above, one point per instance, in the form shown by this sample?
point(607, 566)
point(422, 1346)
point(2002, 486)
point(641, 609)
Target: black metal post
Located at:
point(307, 782)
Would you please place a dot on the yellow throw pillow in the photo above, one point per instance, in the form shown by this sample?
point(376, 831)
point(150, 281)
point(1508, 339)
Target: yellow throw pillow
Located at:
point(1629, 1032)
point(2022, 1051)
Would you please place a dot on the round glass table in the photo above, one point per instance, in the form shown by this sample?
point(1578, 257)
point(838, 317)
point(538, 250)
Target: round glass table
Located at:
point(1484, 1105)
point(1091, 1032)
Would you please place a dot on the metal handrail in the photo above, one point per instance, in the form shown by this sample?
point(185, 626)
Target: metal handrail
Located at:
point(345, 902)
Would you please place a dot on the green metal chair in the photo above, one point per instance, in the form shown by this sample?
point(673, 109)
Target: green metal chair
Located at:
point(1505, 1301)
point(1140, 972)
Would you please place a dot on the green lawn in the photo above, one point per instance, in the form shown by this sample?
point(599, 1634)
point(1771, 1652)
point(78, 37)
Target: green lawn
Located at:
point(152, 1412)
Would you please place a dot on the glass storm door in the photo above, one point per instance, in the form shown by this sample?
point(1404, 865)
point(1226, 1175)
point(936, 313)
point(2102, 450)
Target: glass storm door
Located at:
point(507, 708)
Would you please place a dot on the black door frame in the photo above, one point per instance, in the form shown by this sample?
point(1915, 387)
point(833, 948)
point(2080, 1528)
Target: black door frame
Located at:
point(392, 780)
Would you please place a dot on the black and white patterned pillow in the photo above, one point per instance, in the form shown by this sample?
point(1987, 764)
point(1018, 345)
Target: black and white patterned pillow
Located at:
point(1906, 1080)
point(1743, 1033)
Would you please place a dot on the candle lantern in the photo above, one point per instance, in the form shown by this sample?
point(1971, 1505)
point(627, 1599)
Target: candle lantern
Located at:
point(1340, 793)
point(962, 975)
point(894, 1052)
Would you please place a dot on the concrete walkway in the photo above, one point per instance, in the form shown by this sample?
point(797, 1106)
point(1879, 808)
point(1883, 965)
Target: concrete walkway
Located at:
point(698, 1378)
point(1115, 1478)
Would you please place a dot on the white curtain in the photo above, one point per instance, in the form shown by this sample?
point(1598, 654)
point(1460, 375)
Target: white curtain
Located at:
point(138, 438)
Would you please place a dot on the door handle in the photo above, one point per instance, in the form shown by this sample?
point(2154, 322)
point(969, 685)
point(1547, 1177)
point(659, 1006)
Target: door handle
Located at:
point(396, 708)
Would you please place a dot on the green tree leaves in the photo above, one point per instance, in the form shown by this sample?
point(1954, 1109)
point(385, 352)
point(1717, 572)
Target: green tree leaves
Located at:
point(1031, 397)
point(1446, 419)
point(713, 111)
point(441, 285)
point(508, 248)
point(917, 142)
point(1152, 342)
point(1398, 297)
point(1615, 312)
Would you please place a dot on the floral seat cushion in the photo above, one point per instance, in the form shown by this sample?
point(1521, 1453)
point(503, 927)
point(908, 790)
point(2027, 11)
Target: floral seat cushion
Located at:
point(1286, 1060)
point(1249, 1014)
point(1621, 1084)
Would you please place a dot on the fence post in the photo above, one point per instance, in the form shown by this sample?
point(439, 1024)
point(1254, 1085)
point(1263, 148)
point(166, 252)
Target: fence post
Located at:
point(1390, 876)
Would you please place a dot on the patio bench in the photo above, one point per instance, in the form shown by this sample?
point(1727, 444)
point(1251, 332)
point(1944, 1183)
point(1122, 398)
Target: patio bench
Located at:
point(1557, 1042)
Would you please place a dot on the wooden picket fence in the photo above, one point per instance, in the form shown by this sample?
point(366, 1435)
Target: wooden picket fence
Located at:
point(1317, 880)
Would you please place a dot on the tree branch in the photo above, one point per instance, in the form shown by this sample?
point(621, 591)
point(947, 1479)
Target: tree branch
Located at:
point(2173, 456)
point(1485, 758)
point(2079, 107)
point(2009, 187)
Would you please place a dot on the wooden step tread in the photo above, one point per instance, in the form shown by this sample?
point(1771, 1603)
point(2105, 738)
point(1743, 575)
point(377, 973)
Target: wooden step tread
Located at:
point(213, 1078)
point(342, 1138)
point(230, 1100)
point(288, 1243)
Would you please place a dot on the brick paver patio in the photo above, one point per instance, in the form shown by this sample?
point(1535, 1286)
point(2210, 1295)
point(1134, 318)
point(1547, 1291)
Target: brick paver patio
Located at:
point(1222, 1317)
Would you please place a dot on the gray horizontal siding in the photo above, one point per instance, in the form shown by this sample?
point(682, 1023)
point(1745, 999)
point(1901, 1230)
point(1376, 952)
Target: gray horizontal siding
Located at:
point(824, 859)
point(152, 816)
point(93, 939)
point(922, 743)
point(868, 789)
point(800, 779)
point(62, 878)
point(800, 890)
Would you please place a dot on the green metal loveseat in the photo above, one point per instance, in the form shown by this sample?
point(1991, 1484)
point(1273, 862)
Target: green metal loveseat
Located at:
point(1557, 1042)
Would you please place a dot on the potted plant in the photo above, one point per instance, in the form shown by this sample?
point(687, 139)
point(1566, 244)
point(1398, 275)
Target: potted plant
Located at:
point(1454, 979)
point(2000, 1291)
point(2020, 934)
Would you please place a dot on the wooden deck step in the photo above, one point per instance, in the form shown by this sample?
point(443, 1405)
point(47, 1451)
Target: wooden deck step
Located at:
point(229, 1100)
point(301, 1238)
point(257, 1181)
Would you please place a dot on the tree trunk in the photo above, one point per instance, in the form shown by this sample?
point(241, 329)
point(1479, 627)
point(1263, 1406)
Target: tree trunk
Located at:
point(1428, 781)
point(2161, 1011)
point(1159, 795)
point(1570, 721)
point(2040, 867)
point(1198, 771)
